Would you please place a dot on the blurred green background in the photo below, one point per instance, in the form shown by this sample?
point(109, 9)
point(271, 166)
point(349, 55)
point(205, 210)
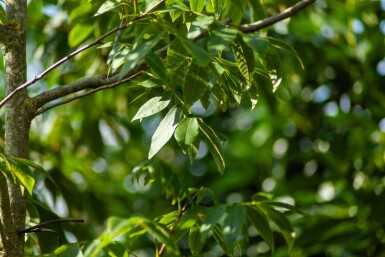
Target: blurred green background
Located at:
point(318, 142)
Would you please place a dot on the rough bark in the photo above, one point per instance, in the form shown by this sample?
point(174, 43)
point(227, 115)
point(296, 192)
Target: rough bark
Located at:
point(17, 123)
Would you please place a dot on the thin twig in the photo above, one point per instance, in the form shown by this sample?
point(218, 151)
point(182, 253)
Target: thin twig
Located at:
point(88, 83)
point(42, 227)
point(117, 39)
point(181, 212)
point(252, 27)
point(73, 54)
point(44, 224)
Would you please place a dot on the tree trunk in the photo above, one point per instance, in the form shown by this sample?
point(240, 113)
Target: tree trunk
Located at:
point(17, 123)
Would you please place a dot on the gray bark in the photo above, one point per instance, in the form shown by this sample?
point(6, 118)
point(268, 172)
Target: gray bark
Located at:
point(17, 123)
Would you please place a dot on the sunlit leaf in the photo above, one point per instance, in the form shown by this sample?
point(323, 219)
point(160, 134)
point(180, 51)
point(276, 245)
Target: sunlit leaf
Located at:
point(36, 166)
point(69, 250)
point(193, 149)
point(150, 83)
point(79, 33)
point(213, 143)
point(169, 218)
point(214, 216)
point(107, 6)
point(218, 6)
point(187, 131)
point(288, 207)
point(244, 58)
point(217, 233)
point(178, 6)
point(153, 106)
point(118, 226)
point(3, 16)
point(200, 24)
point(197, 5)
point(165, 130)
point(117, 249)
point(24, 176)
point(196, 83)
point(80, 11)
point(137, 54)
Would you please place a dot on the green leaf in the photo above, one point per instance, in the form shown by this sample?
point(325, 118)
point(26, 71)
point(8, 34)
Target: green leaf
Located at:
point(197, 52)
point(106, 7)
point(288, 207)
point(192, 150)
point(260, 197)
point(218, 6)
point(6, 168)
point(24, 176)
point(3, 16)
point(244, 58)
point(169, 218)
point(79, 33)
point(118, 226)
point(214, 216)
point(150, 83)
point(137, 54)
point(213, 143)
point(258, 11)
point(282, 223)
point(282, 45)
point(178, 6)
point(187, 221)
point(200, 24)
point(259, 44)
point(159, 233)
point(165, 130)
point(117, 249)
point(157, 66)
point(196, 83)
point(217, 233)
point(153, 106)
point(176, 53)
point(36, 166)
point(232, 225)
point(220, 95)
point(259, 220)
point(69, 250)
point(187, 131)
point(195, 242)
point(197, 5)
point(220, 39)
point(79, 12)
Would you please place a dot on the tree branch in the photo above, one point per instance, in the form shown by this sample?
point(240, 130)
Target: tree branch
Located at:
point(73, 98)
point(73, 54)
point(100, 82)
point(255, 26)
point(97, 83)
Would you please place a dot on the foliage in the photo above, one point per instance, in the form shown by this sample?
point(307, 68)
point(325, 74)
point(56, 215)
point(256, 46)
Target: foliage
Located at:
point(318, 142)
